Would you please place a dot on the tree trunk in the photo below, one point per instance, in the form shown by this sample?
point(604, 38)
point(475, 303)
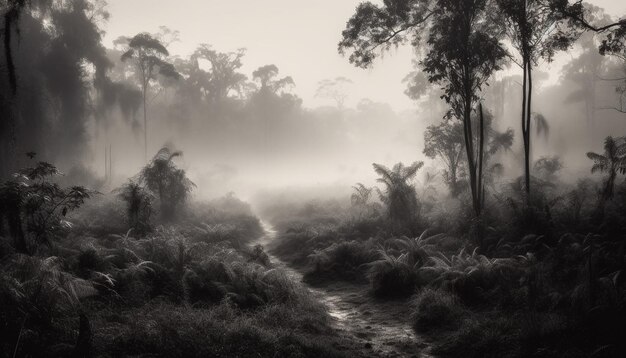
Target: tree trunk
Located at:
point(526, 115)
point(145, 126)
point(469, 148)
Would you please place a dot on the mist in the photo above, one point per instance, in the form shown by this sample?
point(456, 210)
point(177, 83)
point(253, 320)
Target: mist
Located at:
point(387, 177)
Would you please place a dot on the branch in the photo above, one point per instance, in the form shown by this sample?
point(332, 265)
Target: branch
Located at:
point(401, 30)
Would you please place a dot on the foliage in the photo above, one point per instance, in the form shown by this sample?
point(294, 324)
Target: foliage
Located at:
point(148, 54)
point(138, 205)
point(165, 180)
point(398, 194)
point(436, 308)
point(47, 47)
point(222, 78)
point(613, 162)
point(34, 206)
point(547, 168)
point(537, 29)
point(334, 89)
point(445, 141)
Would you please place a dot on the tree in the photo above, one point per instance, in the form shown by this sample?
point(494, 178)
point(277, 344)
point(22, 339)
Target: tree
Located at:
point(462, 55)
point(398, 194)
point(149, 56)
point(267, 75)
point(334, 89)
point(445, 141)
point(12, 11)
point(57, 45)
point(587, 69)
point(165, 180)
point(612, 162)
point(537, 30)
point(223, 76)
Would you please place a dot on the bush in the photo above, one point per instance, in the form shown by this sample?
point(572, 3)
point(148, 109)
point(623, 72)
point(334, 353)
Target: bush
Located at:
point(392, 276)
point(34, 207)
point(342, 261)
point(436, 309)
point(165, 180)
point(479, 337)
point(219, 331)
point(138, 206)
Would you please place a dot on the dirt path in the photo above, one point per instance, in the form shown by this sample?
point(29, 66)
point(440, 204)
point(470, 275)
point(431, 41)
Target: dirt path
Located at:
point(382, 328)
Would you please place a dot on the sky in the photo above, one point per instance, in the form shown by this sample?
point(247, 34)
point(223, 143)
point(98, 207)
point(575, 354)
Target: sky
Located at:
point(300, 37)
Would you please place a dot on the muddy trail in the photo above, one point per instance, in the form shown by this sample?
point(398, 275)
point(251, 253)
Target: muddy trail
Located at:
point(380, 328)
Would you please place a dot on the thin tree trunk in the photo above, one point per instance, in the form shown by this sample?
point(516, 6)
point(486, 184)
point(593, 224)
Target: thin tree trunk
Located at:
point(8, 51)
point(469, 148)
point(480, 189)
point(528, 131)
point(481, 152)
point(525, 130)
point(145, 128)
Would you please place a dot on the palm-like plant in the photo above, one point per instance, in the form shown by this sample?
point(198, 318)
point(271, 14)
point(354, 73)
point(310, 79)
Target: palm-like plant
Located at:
point(162, 177)
point(138, 205)
point(399, 195)
point(612, 162)
point(360, 200)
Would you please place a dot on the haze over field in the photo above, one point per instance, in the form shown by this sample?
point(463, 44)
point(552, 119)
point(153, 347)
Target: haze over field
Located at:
point(329, 178)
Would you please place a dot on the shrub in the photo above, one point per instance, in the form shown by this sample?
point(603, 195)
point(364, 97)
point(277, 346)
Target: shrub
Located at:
point(436, 309)
point(475, 278)
point(34, 206)
point(165, 180)
point(138, 206)
point(480, 337)
point(344, 261)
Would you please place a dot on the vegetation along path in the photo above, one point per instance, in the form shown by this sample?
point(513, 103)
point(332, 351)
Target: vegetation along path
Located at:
point(382, 328)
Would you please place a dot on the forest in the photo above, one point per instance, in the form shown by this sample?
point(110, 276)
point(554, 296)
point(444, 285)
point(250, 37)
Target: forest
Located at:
point(168, 197)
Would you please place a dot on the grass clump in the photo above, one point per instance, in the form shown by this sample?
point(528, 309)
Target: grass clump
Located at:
point(436, 309)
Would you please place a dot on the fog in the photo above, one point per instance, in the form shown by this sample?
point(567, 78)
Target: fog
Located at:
point(244, 133)
point(330, 178)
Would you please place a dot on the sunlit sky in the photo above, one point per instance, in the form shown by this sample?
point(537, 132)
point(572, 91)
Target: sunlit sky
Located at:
point(300, 37)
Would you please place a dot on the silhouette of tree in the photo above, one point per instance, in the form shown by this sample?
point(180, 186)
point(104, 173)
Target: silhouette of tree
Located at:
point(446, 142)
point(462, 54)
point(613, 161)
point(334, 89)
point(223, 76)
point(149, 56)
point(537, 30)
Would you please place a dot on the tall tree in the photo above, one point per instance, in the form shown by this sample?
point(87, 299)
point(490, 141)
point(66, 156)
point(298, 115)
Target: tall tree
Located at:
point(462, 54)
point(266, 77)
point(537, 31)
point(149, 56)
point(223, 76)
point(48, 113)
point(587, 69)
